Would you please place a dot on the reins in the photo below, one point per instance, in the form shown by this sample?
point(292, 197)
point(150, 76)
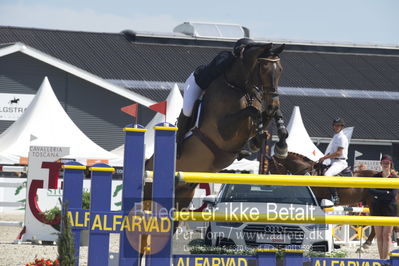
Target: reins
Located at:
point(251, 92)
point(259, 88)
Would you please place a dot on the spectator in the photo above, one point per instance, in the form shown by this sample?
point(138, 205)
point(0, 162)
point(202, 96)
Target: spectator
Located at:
point(384, 204)
point(361, 167)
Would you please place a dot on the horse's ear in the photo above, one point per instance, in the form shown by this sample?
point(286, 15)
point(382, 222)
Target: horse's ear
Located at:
point(253, 51)
point(278, 49)
point(268, 46)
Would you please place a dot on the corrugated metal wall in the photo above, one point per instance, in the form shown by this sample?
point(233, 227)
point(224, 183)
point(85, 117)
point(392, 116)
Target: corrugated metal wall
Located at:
point(94, 110)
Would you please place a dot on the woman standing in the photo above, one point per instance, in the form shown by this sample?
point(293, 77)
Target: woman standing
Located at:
point(384, 204)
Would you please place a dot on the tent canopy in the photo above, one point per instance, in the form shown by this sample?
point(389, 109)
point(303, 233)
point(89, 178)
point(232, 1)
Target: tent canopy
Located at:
point(45, 123)
point(298, 140)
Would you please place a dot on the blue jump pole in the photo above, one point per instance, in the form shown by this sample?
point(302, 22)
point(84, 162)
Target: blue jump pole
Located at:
point(100, 201)
point(72, 194)
point(394, 257)
point(163, 191)
point(266, 255)
point(132, 192)
point(293, 255)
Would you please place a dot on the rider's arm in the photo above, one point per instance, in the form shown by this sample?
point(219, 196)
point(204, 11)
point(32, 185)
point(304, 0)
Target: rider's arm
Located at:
point(336, 154)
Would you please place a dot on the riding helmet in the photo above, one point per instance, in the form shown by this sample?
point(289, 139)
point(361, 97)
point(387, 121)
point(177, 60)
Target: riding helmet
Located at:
point(387, 157)
point(240, 44)
point(339, 121)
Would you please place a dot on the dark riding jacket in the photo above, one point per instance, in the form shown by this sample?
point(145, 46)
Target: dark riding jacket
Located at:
point(205, 74)
point(384, 194)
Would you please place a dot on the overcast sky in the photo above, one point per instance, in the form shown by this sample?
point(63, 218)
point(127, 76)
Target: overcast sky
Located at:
point(338, 21)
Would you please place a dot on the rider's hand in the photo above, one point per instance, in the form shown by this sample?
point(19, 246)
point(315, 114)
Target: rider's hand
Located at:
point(321, 160)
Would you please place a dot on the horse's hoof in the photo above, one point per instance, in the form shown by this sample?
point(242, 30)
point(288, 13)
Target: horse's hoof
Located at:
point(281, 150)
point(360, 250)
point(281, 156)
point(243, 154)
point(365, 246)
point(280, 153)
point(254, 145)
point(253, 148)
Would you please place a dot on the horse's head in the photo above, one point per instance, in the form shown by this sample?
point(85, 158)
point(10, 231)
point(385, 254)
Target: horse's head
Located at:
point(264, 66)
point(270, 68)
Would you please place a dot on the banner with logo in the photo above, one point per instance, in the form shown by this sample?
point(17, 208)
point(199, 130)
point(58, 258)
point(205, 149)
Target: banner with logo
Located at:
point(13, 105)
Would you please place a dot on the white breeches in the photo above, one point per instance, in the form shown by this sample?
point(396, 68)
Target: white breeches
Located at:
point(191, 93)
point(336, 167)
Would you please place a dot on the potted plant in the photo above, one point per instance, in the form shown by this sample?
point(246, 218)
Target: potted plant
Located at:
point(53, 217)
point(43, 262)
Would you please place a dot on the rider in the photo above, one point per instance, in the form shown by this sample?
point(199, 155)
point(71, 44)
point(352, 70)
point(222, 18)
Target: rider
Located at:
point(200, 79)
point(338, 154)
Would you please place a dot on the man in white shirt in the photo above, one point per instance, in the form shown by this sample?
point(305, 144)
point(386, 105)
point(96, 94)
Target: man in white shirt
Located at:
point(338, 153)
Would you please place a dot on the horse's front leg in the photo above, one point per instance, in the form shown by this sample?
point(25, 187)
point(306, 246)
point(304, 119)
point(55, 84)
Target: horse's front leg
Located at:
point(272, 111)
point(281, 148)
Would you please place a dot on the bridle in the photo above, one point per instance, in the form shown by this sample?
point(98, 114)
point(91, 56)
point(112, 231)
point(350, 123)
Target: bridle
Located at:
point(272, 73)
point(257, 90)
point(258, 87)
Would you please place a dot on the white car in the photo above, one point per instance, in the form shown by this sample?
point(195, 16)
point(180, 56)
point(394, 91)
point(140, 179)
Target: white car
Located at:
point(280, 200)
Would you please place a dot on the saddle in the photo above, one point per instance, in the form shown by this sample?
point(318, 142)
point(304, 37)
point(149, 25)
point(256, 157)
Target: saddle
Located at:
point(346, 172)
point(221, 156)
point(321, 169)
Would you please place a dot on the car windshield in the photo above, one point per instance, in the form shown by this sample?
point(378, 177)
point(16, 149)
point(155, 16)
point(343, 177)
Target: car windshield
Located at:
point(265, 193)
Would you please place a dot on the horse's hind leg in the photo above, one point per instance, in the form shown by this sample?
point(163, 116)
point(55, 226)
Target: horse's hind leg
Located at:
point(369, 240)
point(149, 164)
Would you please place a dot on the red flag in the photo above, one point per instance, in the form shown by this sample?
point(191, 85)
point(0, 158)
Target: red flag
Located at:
point(159, 107)
point(131, 109)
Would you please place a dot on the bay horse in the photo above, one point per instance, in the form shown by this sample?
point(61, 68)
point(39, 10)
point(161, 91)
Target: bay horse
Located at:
point(297, 164)
point(236, 108)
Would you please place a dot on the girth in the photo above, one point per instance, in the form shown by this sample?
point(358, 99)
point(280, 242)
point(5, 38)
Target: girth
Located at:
point(221, 156)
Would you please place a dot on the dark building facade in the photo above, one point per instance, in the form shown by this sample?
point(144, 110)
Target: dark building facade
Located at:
point(360, 84)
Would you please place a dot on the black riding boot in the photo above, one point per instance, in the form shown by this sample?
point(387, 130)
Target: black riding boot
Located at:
point(334, 195)
point(182, 125)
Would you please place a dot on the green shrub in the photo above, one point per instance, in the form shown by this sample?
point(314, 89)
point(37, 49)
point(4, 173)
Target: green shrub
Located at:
point(51, 214)
point(86, 200)
point(333, 254)
point(65, 243)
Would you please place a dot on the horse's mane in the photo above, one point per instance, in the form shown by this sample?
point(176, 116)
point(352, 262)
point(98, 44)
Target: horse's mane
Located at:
point(300, 156)
point(281, 166)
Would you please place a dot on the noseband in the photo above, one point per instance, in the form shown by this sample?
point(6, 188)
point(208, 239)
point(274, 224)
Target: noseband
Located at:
point(272, 74)
point(259, 88)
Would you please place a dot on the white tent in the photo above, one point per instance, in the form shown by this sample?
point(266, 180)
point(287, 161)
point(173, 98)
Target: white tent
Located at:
point(8, 158)
point(244, 165)
point(298, 140)
point(45, 123)
point(173, 108)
